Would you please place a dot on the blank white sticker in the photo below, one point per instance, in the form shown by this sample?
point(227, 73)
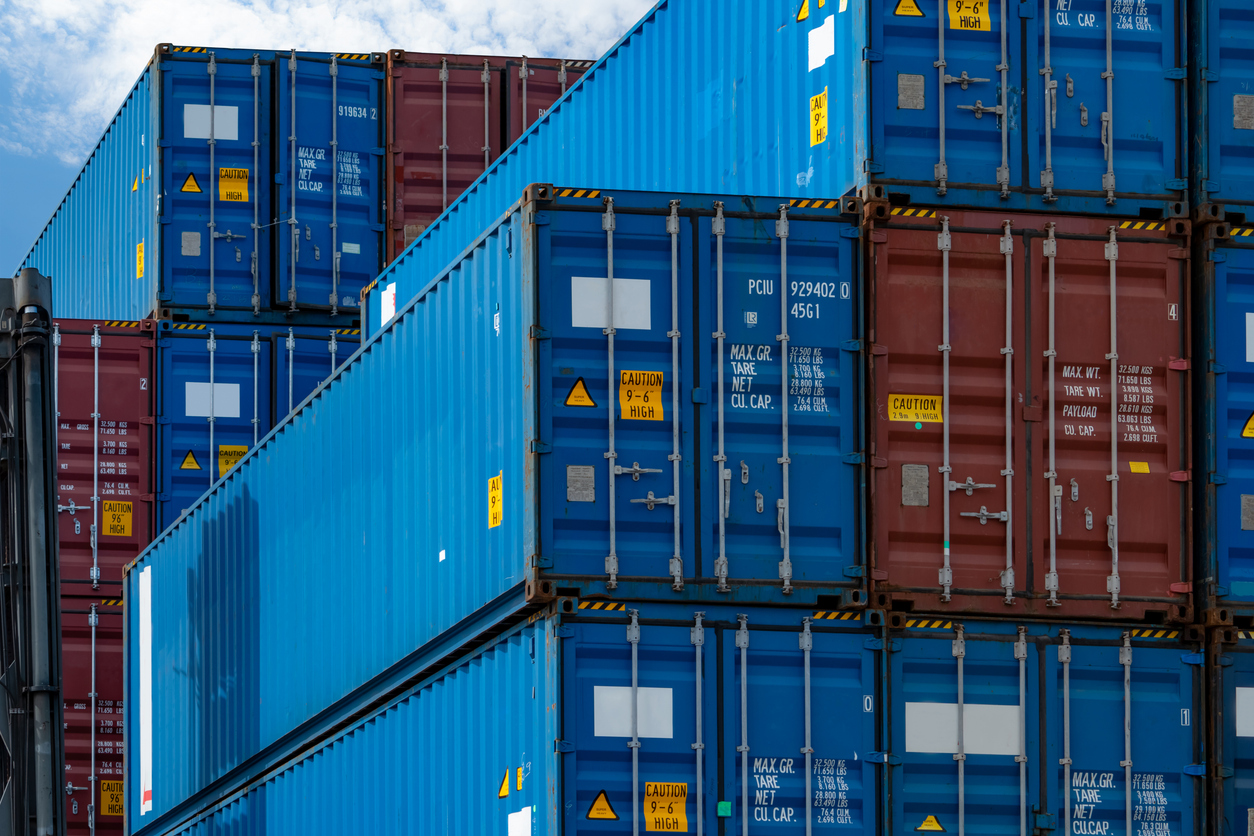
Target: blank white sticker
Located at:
point(987, 729)
point(1245, 712)
point(611, 709)
point(196, 122)
point(519, 824)
point(145, 691)
point(1249, 337)
point(387, 304)
point(225, 400)
point(823, 42)
point(350, 249)
point(590, 303)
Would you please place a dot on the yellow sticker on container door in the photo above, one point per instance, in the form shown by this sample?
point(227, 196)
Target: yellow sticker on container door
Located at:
point(496, 512)
point(1139, 467)
point(818, 118)
point(908, 8)
point(925, 409)
point(665, 807)
point(139, 260)
point(111, 798)
point(233, 185)
point(640, 395)
point(229, 456)
point(117, 518)
point(1248, 430)
point(971, 15)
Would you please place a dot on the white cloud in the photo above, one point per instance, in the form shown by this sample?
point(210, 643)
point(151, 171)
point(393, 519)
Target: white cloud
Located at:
point(70, 62)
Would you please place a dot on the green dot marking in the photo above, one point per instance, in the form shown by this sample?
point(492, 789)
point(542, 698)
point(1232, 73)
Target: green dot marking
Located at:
point(918, 425)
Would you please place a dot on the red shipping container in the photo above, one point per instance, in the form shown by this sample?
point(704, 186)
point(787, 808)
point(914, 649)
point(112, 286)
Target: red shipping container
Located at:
point(475, 105)
point(104, 386)
point(1030, 449)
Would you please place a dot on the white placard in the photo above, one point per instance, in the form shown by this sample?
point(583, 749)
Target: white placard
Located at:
point(590, 303)
point(611, 710)
point(196, 121)
point(986, 729)
point(224, 402)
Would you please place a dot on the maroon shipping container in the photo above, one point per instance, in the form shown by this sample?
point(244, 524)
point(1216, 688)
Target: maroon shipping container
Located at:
point(1030, 451)
point(104, 384)
point(476, 105)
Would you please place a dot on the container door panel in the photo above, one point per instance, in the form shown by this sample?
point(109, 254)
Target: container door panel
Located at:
point(1236, 706)
point(908, 133)
point(303, 360)
point(818, 518)
point(598, 721)
point(544, 87)
point(1234, 423)
point(577, 474)
point(770, 787)
point(188, 464)
point(236, 187)
point(1229, 33)
point(925, 732)
point(334, 161)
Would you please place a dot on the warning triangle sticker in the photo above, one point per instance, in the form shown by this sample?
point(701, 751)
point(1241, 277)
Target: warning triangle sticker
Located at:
point(601, 809)
point(189, 462)
point(578, 395)
point(908, 8)
point(190, 184)
point(801, 15)
point(930, 823)
point(135, 185)
point(1248, 430)
point(503, 792)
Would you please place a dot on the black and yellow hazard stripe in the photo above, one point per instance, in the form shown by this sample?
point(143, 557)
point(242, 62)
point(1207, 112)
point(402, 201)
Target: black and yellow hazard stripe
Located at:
point(1154, 633)
point(1143, 225)
point(928, 624)
point(188, 326)
point(601, 605)
point(818, 203)
point(1242, 232)
point(588, 193)
point(366, 290)
point(352, 56)
point(1245, 634)
point(190, 49)
point(111, 602)
point(907, 212)
point(830, 615)
point(352, 332)
point(117, 323)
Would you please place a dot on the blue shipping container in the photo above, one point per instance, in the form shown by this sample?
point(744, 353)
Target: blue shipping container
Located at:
point(490, 471)
point(202, 198)
point(1230, 661)
point(220, 388)
point(1221, 35)
point(819, 101)
point(761, 717)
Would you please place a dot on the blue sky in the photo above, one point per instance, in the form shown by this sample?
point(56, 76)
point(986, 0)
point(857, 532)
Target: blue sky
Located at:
point(65, 65)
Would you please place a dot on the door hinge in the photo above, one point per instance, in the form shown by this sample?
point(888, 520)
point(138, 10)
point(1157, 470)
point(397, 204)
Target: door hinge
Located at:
point(1046, 821)
point(883, 757)
point(872, 167)
point(894, 644)
point(1216, 479)
point(1195, 769)
point(869, 54)
point(853, 458)
point(851, 345)
point(700, 395)
point(1032, 413)
point(564, 746)
point(1210, 75)
point(1210, 186)
point(850, 232)
point(538, 446)
point(147, 420)
point(1179, 476)
point(1178, 253)
point(1178, 364)
point(1193, 658)
point(565, 632)
point(540, 219)
point(539, 561)
point(1178, 73)
point(1181, 588)
point(538, 333)
point(855, 571)
point(1217, 256)
point(1176, 185)
point(1027, 10)
point(1217, 368)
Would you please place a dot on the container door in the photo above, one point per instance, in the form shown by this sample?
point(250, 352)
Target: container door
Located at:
point(621, 470)
point(795, 741)
point(783, 400)
point(329, 231)
point(1234, 424)
point(303, 360)
point(215, 384)
point(215, 183)
point(457, 104)
point(946, 125)
point(1123, 748)
point(674, 679)
point(1226, 27)
point(1235, 703)
point(963, 776)
point(1108, 109)
point(534, 87)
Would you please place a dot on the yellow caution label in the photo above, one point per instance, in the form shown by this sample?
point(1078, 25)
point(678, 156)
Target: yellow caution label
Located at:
point(1139, 467)
point(601, 809)
point(229, 456)
point(578, 395)
point(496, 511)
point(117, 518)
point(802, 14)
point(930, 823)
point(520, 777)
point(190, 184)
point(908, 8)
point(972, 15)
point(233, 185)
point(189, 462)
point(665, 807)
point(139, 260)
point(818, 118)
point(1248, 430)
point(918, 408)
point(503, 792)
point(640, 395)
point(111, 798)
point(135, 185)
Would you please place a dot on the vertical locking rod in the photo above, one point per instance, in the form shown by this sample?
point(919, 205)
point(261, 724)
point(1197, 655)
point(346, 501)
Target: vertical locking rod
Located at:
point(1064, 658)
point(633, 636)
point(291, 366)
point(698, 641)
point(1125, 659)
point(256, 71)
point(1051, 111)
point(718, 226)
point(522, 73)
point(941, 169)
point(1021, 654)
point(1003, 171)
point(1108, 121)
point(256, 348)
point(335, 187)
point(333, 348)
point(607, 224)
point(291, 139)
point(444, 133)
point(781, 231)
point(486, 78)
point(212, 346)
point(1112, 522)
point(1049, 248)
point(561, 79)
point(806, 643)
point(742, 642)
point(212, 296)
point(1007, 249)
point(960, 652)
point(672, 227)
point(943, 243)
point(93, 618)
point(95, 457)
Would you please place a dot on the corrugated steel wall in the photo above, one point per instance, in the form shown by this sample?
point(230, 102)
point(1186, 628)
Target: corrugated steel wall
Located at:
point(102, 233)
point(257, 626)
point(698, 97)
